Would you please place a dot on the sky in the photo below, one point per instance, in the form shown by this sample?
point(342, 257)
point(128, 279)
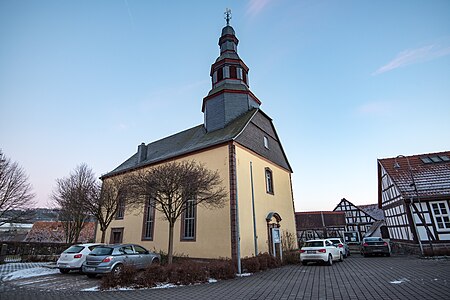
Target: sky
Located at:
point(345, 82)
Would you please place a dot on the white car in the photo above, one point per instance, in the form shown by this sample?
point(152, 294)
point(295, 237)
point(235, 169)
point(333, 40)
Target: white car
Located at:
point(343, 247)
point(320, 251)
point(74, 257)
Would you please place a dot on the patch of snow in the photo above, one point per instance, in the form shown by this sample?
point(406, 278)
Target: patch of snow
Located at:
point(212, 280)
point(32, 272)
point(92, 289)
point(244, 275)
point(399, 281)
point(165, 286)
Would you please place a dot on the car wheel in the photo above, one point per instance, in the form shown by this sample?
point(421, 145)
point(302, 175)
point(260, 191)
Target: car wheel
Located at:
point(91, 275)
point(330, 260)
point(155, 261)
point(304, 263)
point(64, 271)
point(117, 269)
point(341, 257)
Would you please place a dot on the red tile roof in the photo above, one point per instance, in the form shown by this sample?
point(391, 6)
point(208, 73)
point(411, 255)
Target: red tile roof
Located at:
point(53, 232)
point(432, 179)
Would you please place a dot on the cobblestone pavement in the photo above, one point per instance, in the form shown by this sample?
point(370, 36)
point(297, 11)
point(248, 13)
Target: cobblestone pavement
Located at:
point(397, 277)
point(11, 267)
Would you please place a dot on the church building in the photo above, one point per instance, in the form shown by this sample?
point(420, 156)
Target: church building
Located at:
point(238, 140)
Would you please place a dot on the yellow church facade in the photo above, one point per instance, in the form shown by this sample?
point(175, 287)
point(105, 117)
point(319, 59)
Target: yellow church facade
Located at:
point(239, 141)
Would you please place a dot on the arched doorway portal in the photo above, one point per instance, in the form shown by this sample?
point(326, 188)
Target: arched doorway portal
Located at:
point(273, 220)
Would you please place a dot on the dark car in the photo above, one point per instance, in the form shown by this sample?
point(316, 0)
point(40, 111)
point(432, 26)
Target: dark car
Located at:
point(375, 246)
point(112, 258)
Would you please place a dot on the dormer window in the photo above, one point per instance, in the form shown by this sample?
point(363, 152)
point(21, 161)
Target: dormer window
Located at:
point(266, 142)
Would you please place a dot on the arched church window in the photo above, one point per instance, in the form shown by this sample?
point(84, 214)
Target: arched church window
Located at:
point(269, 181)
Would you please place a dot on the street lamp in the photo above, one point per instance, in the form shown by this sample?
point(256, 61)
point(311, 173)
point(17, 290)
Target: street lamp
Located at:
point(419, 212)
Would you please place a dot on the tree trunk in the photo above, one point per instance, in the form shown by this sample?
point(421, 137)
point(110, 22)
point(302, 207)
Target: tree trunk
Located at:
point(170, 250)
point(103, 236)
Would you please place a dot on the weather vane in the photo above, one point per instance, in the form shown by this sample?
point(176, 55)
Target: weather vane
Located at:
point(227, 16)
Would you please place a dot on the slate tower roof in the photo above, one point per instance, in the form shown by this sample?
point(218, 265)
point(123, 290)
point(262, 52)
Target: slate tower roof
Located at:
point(230, 95)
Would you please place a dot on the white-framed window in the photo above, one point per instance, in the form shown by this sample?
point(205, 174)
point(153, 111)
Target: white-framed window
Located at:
point(188, 227)
point(120, 209)
point(149, 220)
point(269, 181)
point(441, 215)
point(266, 142)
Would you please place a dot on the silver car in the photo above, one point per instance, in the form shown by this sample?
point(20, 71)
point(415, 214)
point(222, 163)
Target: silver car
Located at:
point(112, 258)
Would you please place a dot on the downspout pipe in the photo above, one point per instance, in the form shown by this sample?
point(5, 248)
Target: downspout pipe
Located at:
point(255, 237)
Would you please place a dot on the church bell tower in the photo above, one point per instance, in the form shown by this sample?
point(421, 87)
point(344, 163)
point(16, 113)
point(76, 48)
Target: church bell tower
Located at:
point(230, 95)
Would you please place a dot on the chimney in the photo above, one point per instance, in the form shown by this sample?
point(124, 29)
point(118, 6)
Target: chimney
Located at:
point(142, 153)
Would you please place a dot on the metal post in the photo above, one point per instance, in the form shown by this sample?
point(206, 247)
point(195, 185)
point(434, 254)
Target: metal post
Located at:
point(255, 237)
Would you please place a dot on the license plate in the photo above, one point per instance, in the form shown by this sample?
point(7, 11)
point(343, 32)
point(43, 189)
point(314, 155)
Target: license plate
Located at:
point(311, 251)
point(89, 269)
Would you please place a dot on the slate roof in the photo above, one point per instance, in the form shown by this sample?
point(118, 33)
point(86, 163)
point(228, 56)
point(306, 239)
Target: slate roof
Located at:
point(191, 140)
point(313, 219)
point(373, 211)
point(432, 179)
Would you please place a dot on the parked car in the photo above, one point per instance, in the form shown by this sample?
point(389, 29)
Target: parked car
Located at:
point(374, 245)
point(112, 258)
point(74, 257)
point(341, 245)
point(320, 251)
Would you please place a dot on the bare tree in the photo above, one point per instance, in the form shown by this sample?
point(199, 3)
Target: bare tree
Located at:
point(171, 185)
point(105, 204)
point(16, 197)
point(71, 195)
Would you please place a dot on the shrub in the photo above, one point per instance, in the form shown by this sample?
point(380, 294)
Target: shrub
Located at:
point(177, 257)
point(151, 276)
point(222, 269)
point(263, 260)
point(127, 277)
point(251, 264)
point(291, 258)
point(187, 273)
point(273, 262)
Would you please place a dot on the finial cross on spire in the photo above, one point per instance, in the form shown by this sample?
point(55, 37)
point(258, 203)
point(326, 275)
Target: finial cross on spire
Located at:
point(227, 16)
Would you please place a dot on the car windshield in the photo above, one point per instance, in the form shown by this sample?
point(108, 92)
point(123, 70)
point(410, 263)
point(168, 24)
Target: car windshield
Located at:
point(74, 249)
point(335, 242)
point(102, 251)
point(314, 244)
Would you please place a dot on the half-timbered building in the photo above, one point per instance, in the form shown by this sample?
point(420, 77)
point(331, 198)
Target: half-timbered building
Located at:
point(319, 224)
point(414, 193)
point(364, 220)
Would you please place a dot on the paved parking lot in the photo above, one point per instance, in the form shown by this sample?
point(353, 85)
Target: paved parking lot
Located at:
point(397, 277)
